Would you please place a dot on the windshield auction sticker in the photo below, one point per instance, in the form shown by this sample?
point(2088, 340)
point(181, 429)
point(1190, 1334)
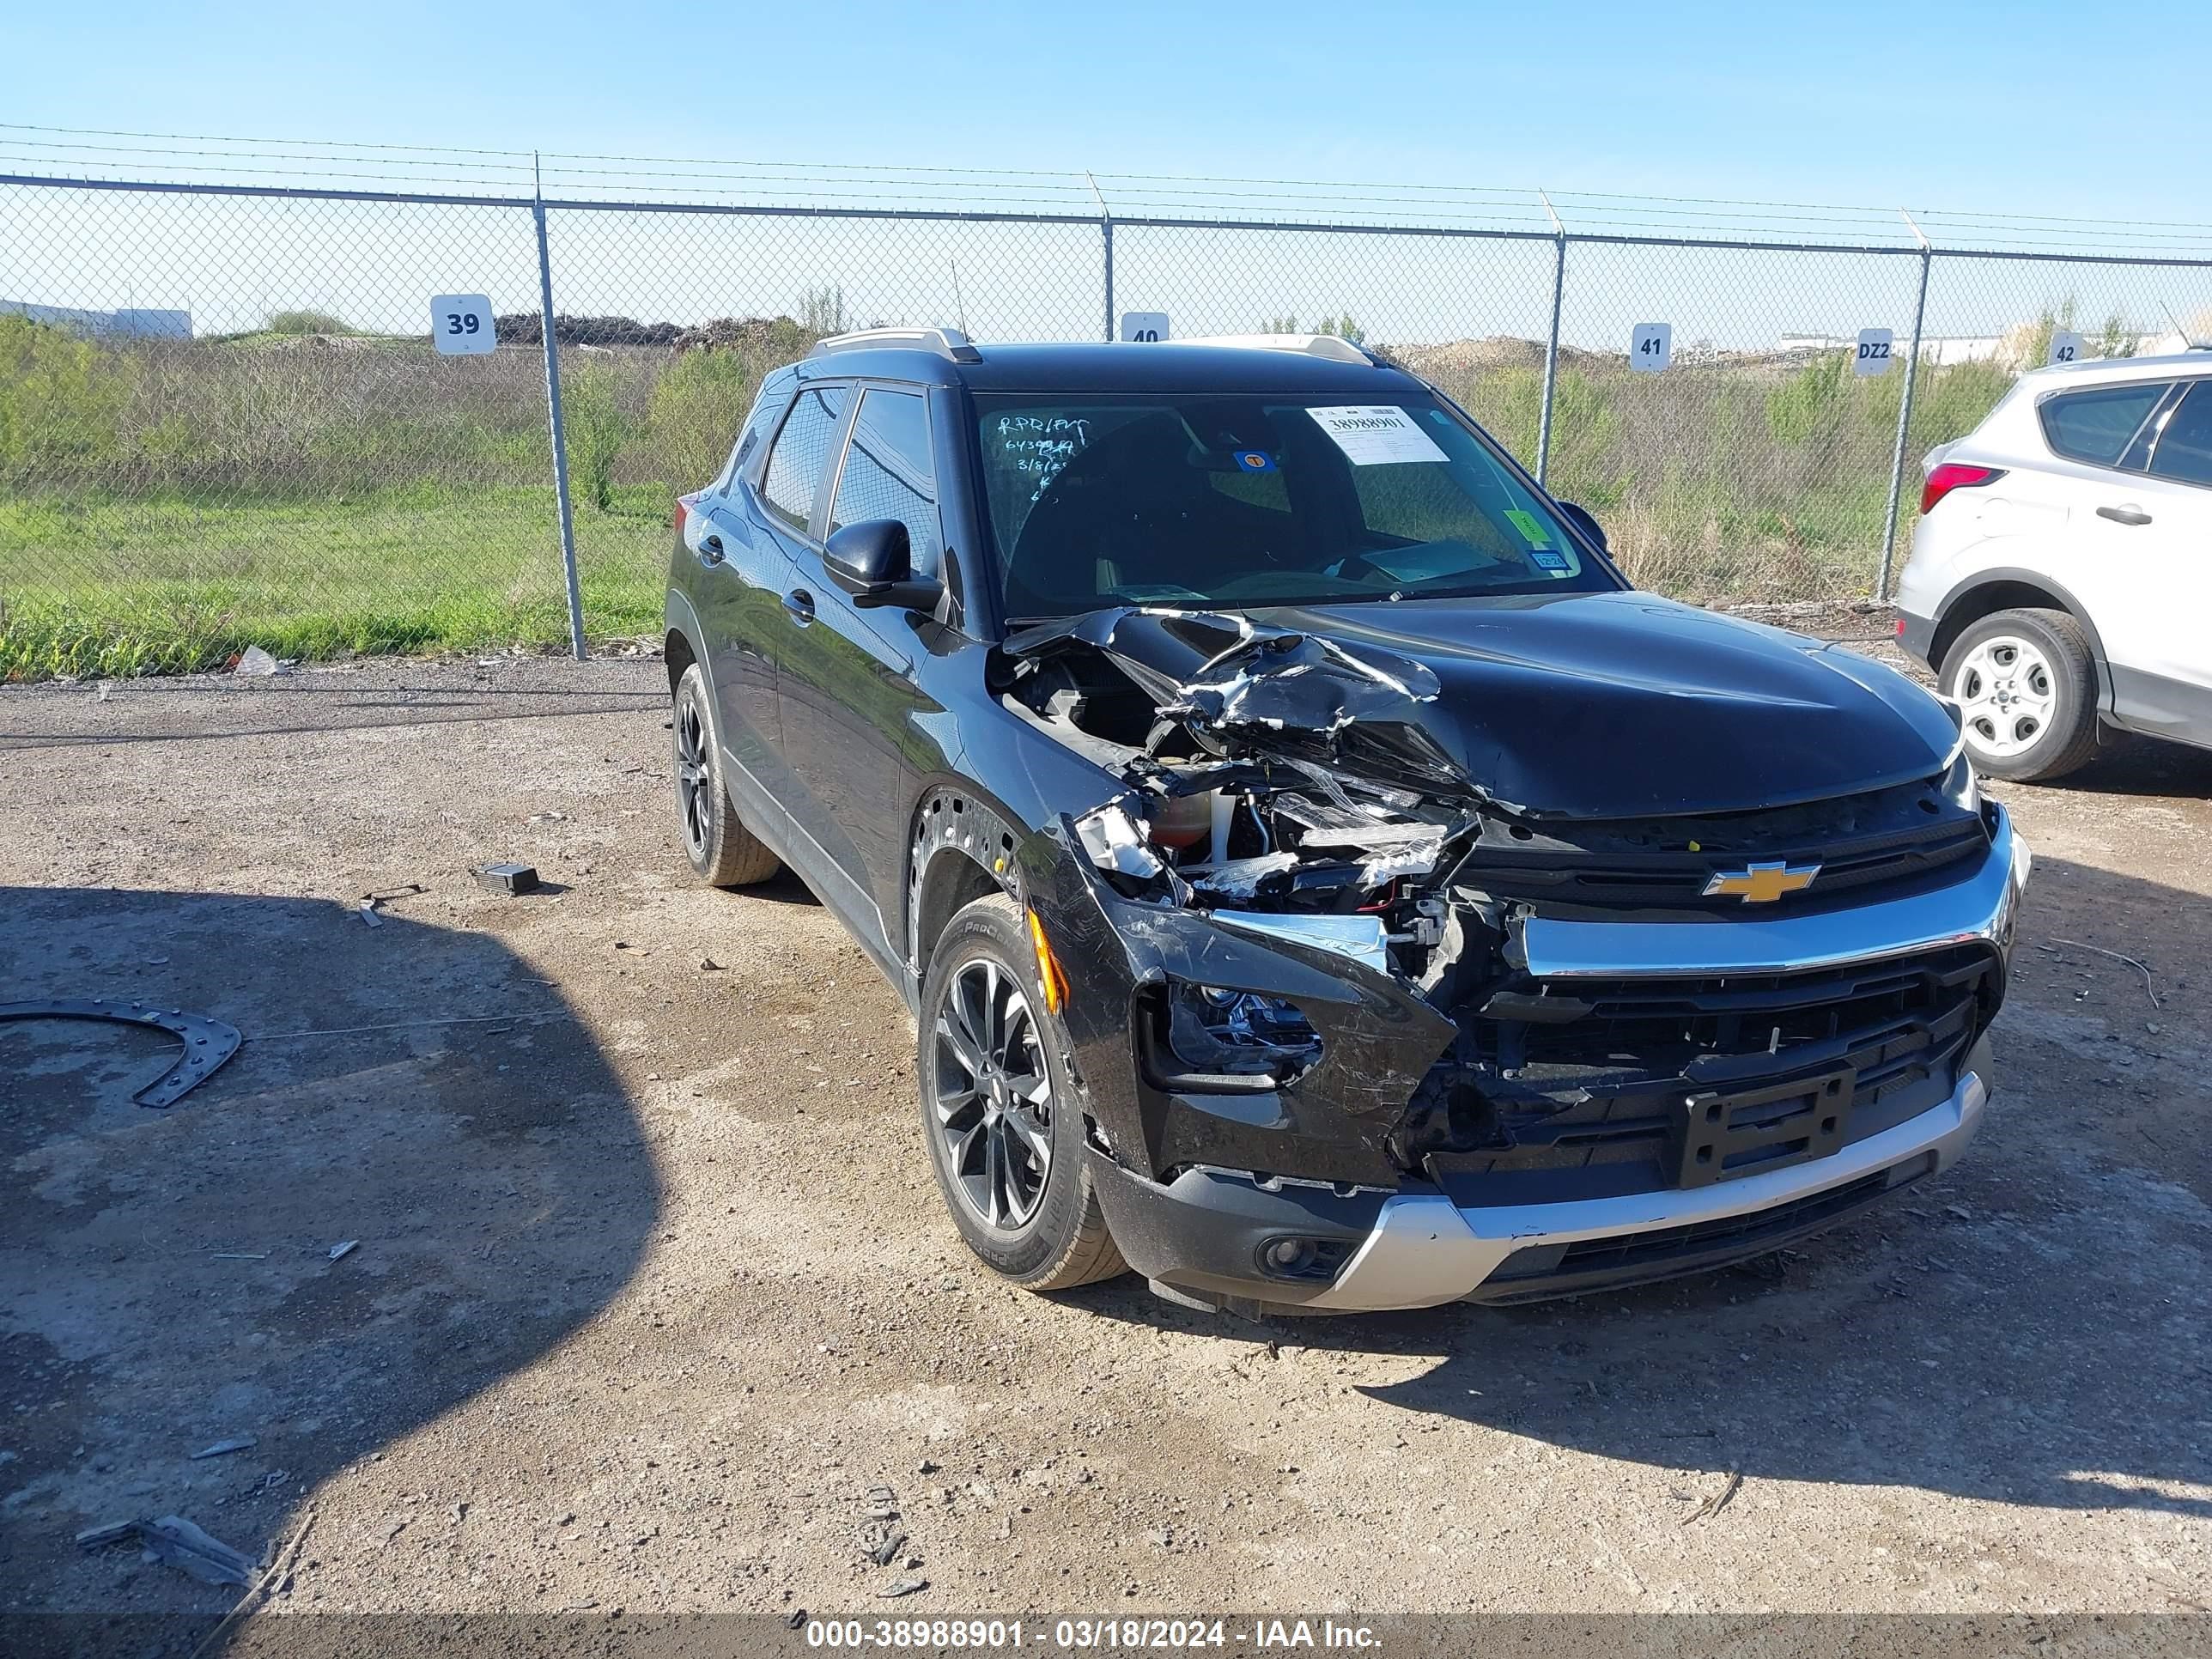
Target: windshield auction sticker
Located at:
point(1376, 435)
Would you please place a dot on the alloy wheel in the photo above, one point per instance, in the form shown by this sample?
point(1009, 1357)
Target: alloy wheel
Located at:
point(695, 785)
point(2007, 694)
point(993, 1095)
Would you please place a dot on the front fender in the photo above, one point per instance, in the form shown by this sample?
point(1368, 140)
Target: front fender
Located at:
point(1378, 1039)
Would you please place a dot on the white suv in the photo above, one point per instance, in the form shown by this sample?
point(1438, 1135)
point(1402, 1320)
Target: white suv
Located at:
point(2060, 578)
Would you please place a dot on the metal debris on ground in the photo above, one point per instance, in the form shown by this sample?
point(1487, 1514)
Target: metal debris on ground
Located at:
point(1719, 1501)
point(512, 879)
point(881, 1542)
point(708, 965)
point(2151, 985)
point(339, 1252)
point(899, 1587)
point(178, 1543)
point(368, 914)
point(279, 1575)
point(208, 1043)
point(236, 1443)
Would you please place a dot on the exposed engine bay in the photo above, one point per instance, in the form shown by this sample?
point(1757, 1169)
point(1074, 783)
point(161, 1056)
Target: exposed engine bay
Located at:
point(1296, 786)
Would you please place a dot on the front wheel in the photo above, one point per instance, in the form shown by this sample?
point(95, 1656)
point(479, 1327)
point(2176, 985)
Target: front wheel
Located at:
point(1004, 1136)
point(2025, 684)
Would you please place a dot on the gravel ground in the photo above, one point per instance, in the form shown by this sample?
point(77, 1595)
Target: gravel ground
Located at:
point(653, 1285)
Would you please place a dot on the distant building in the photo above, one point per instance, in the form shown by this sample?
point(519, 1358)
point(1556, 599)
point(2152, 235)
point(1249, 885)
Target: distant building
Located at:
point(137, 321)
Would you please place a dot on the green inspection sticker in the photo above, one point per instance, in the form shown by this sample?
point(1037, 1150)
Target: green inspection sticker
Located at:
point(1531, 527)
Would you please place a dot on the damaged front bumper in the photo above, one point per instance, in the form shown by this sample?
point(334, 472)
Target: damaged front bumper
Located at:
point(1206, 1235)
point(1423, 1250)
point(1284, 1193)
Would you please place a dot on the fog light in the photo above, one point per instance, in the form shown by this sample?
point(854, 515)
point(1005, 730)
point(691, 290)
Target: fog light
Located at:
point(1303, 1258)
point(1288, 1255)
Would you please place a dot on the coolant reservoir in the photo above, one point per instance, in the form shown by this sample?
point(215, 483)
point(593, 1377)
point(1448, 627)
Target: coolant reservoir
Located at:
point(1184, 821)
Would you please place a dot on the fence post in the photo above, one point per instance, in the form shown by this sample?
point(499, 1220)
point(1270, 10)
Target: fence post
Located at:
point(1551, 348)
point(1106, 240)
point(1904, 418)
point(560, 440)
point(1106, 232)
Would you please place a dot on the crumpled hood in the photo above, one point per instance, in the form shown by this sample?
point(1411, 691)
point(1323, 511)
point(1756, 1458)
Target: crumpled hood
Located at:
point(1612, 705)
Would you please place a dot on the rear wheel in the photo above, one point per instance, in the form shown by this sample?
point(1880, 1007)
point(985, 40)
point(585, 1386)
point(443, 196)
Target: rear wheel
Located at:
point(722, 851)
point(2026, 684)
point(1006, 1145)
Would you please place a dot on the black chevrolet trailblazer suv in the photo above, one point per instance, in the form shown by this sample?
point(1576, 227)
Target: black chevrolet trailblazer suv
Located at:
point(1320, 881)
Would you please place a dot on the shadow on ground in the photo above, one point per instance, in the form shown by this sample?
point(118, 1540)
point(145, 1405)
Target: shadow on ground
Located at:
point(169, 1280)
point(2031, 1327)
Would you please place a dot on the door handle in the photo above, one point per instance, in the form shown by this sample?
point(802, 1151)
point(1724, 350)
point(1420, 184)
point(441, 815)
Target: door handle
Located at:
point(800, 603)
point(2129, 515)
point(710, 550)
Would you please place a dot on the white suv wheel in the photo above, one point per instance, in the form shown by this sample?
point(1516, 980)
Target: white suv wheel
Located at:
point(2007, 689)
point(2025, 684)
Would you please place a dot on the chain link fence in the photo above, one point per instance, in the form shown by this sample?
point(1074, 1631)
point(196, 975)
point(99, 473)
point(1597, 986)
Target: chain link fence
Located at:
point(222, 422)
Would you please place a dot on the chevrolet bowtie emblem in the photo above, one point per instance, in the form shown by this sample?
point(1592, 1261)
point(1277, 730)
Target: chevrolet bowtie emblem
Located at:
point(1761, 884)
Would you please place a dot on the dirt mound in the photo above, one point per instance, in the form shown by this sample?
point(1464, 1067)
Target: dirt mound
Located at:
point(742, 334)
point(524, 328)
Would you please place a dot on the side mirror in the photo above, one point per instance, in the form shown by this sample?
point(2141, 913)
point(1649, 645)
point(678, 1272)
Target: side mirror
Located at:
point(1584, 522)
point(873, 561)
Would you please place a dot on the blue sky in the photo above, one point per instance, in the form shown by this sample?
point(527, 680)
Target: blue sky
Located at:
point(2019, 108)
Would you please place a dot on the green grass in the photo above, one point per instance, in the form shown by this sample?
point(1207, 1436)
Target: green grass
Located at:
point(113, 585)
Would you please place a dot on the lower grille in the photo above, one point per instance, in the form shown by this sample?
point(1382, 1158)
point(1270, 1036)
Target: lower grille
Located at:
point(1581, 1077)
point(1547, 1270)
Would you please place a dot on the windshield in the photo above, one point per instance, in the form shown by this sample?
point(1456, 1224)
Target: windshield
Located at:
point(1250, 501)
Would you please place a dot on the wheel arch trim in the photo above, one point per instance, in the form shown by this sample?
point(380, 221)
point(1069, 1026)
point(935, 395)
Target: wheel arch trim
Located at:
point(952, 819)
point(2013, 576)
point(680, 620)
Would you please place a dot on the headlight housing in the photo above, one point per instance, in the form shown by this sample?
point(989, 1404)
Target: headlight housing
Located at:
point(1212, 1039)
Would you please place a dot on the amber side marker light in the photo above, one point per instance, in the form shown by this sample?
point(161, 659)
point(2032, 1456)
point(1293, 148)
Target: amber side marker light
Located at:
point(1054, 983)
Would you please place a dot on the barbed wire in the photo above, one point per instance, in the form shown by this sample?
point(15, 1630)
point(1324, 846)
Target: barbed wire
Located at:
point(188, 159)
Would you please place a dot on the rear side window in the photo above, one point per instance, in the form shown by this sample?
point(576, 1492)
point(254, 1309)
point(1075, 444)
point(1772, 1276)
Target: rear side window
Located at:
point(801, 455)
point(758, 425)
point(888, 474)
point(2184, 448)
point(2097, 425)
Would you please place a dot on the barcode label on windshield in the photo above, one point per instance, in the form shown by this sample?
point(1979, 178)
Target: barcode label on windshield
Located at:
point(1376, 434)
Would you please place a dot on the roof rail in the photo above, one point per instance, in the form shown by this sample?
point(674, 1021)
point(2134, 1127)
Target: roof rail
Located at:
point(1312, 345)
point(948, 343)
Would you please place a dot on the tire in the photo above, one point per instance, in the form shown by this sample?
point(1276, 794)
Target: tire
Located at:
point(722, 851)
point(1042, 1235)
point(2027, 682)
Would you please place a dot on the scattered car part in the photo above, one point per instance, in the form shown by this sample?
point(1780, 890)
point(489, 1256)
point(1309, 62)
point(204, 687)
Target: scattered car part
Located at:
point(208, 1043)
point(512, 879)
point(181, 1544)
